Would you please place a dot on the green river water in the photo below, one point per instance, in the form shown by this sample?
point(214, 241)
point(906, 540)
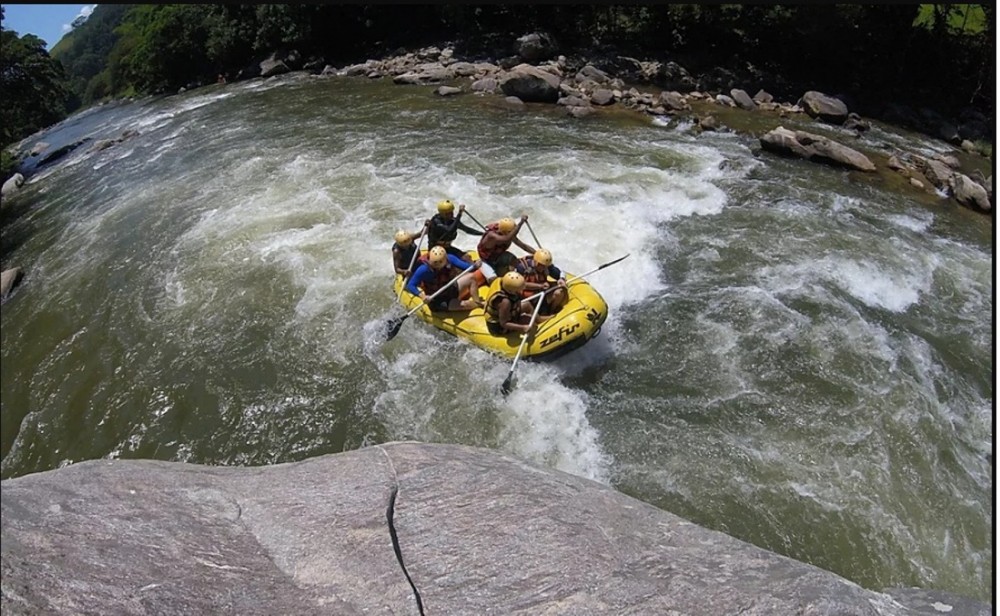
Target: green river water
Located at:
point(795, 355)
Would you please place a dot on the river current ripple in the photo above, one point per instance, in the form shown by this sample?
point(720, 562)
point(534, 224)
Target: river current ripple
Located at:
point(793, 356)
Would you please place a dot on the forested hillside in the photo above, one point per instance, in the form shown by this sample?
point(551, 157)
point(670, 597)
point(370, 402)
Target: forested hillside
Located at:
point(939, 56)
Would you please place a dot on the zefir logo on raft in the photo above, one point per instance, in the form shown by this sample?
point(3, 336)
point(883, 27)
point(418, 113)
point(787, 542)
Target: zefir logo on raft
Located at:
point(563, 331)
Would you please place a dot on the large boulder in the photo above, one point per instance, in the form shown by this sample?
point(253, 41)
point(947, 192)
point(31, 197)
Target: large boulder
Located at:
point(12, 185)
point(816, 148)
point(271, 67)
point(823, 107)
point(936, 171)
point(589, 72)
point(9, 279)
point(970, 193)
point(674, 101)
point(536, 46)
point(530, 84)
point(398, 528)
point(743, 99)
point(673, 76)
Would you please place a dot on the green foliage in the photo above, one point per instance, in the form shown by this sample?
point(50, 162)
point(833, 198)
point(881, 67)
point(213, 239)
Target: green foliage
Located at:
point(967, 19)
point(8, 165)
point(166, 45)
point(84, 52)
point(33, 86)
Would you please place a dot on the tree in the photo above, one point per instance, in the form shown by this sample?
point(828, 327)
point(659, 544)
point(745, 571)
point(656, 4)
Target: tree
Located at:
point(33, 86)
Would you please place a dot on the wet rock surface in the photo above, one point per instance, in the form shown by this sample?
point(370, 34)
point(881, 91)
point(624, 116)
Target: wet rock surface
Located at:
point(400, 528)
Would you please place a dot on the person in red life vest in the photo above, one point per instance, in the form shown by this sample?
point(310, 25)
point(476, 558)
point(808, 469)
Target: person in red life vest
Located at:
point(440, 269)
point(506, 310)
point(493, 246)
point(537, 268)
point(402, 251)
point(444, 228)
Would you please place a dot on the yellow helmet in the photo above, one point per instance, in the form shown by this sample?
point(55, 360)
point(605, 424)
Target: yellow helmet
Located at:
point(437, 257)
point(506, 225)
point(512, 282)
point(403, 238)
point(543, 257)
point(446, 207)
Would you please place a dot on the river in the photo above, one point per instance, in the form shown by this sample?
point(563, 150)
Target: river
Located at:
point(794, 355)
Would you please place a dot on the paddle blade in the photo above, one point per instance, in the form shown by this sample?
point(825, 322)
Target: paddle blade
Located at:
point(392, 327)
point(508, 384)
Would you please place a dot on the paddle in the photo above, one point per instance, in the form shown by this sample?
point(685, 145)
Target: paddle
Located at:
point(392, 327)
point(572, 278)
point(533, 236)
point(413, 260)
point(474, 220)
point(507, 382)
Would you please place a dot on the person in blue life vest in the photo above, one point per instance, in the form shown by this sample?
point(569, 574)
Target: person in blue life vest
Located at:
point(445, 226)
point(493, 247)
point(440, 269)
point(403, 249)
point(506, 310)
point(537, 268)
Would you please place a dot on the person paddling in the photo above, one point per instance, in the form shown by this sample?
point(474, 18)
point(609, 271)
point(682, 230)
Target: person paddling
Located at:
point(537, 268)
point(444, 228)
point(493, 246)
point(403, 249)
point(506, 310)
point(440, 269)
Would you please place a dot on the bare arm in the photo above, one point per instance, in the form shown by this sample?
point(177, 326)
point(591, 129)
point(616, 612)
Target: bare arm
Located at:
point(505, 319)
point(397, 262)
point(525, 247)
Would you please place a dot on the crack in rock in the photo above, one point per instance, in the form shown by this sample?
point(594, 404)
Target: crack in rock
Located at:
point(390, 513)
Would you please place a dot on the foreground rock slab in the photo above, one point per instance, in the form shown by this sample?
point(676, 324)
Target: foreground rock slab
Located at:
point(400, 528)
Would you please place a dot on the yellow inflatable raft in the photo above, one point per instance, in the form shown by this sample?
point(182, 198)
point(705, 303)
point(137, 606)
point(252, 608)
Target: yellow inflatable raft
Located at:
point(579, 320)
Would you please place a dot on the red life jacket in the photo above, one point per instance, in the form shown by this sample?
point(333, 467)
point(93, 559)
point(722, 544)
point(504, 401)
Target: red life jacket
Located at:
point(491, 253)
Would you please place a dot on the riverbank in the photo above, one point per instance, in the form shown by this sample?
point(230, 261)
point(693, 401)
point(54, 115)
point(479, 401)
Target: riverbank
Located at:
point(958, 170)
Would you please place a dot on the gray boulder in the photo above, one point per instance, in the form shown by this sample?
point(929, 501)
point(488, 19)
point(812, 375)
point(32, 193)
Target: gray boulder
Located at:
point(486, 84)
point(726, 100)
point(823, 107)
point(594, 74)
point(743, 99)
point(936, 171)
point(9, 279)
point(708, 123)
point(674, 101)
point(272, 67)
point(602, 96)
point(673, 76)
point(970, 193)
point(536, 46)
point(401, 528)
point(816, 148)
point(463, 69)
point(579, 111)
point(12, 185)
point(530, 84)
